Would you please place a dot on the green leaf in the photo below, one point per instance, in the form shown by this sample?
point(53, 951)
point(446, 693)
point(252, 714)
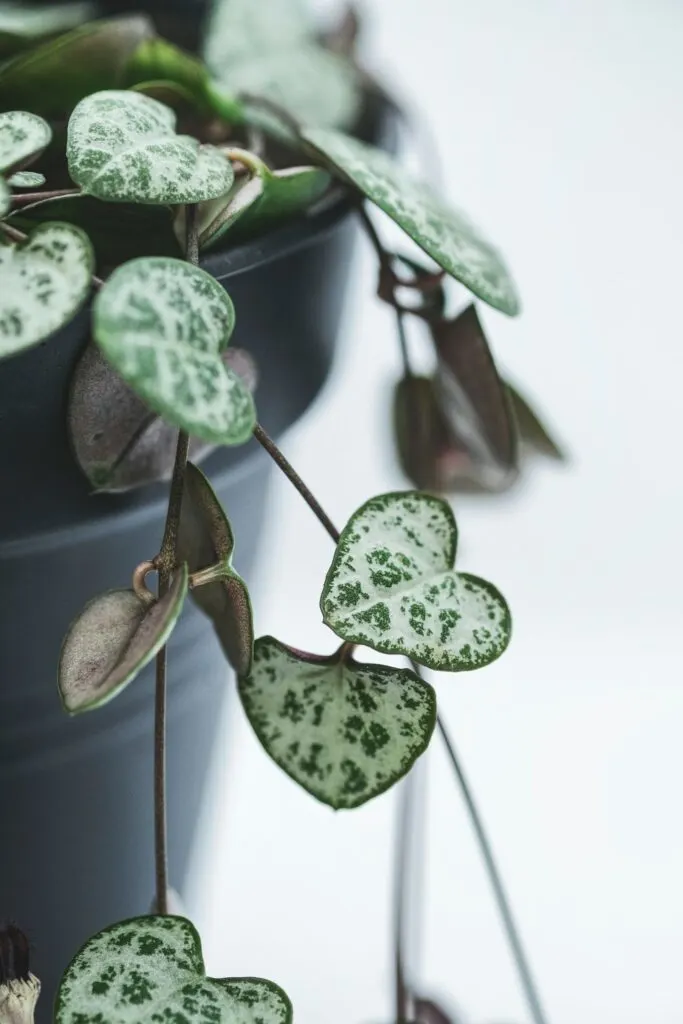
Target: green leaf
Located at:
point(112, 640)
point(51, 78)
point(118, 231)
point(391, 586)
point(444, 233)
point(118, 443)
point(346, 732)
point(163, 324)
point(23, 137)
point(240, 31)
point(158, 60)
point(206, 543)
point(259, 204)
point(122, 147)
point(5, 197)
point(21, 24)
point(474, 399)
point(43, 283)
point(152, 969)
point(533, 433)
point(27, 179)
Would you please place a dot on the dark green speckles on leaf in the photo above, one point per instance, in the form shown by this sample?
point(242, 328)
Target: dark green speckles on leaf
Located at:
point(346, 732)
point(395, 558)
point(23, 137)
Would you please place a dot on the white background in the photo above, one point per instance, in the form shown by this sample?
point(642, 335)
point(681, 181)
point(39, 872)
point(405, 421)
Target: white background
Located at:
point(560, 125)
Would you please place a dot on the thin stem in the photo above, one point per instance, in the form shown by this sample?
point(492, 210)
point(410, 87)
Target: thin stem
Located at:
point(20, 236)
point(282, 463)
point(165, 564)
point(403, 343)
point(24, 198)
point(382, 255)
point(404, 827)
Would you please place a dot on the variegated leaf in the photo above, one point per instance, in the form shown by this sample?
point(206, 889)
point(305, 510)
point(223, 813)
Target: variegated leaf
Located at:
point(5, 196)
point(122, 147)
point(152, 969)
point(443, 232)
point(112, 640)
point(163, 324)
point(43, 283)
point(392, 586)
point(346, 732)
point(27, 179)
point(206, 543)
point(240, 31)
point(23, 137)
point(532, 431)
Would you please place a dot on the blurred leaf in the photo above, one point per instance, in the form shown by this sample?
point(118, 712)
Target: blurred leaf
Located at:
point(51, 78)
point(429, 1012)
point(532, 431)
point(43, 283)
point(392, 587)
point(152, 969)
point(163, 324)
point(27, 179)
point(23, 137)
point(240, 31)
point(122, 147)
point(118, 231)
point(474, 400)
point(343, 37)
point(112, 640)
point(428, 452)
point(5, 197)
point(22, 24)
point(442, 232)
point(118, 443)
point(346, 732)
point(205, 541)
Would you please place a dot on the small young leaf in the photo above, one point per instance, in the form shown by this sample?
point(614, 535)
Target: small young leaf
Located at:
point(444, 233)
point(122, 147)
point(27, 179)
point(118, 443)
point(391, 586)
point(43, 283)
point(346, 732)
point(240, 31)
point(163, 324)
point(112, 640)
point(205, 541)
point(532, 431)
point(51, 78)
point(152, 969)
point(474, 399)
point(23, 137)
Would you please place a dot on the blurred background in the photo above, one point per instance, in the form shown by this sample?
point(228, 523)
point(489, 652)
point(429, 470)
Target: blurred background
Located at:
point(558, 125)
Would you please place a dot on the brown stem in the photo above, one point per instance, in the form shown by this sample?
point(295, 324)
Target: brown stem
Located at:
point(20, 236)
point(24, 198)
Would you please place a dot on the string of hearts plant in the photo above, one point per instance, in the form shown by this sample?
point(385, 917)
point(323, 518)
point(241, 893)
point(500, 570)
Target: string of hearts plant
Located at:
point(344, 730)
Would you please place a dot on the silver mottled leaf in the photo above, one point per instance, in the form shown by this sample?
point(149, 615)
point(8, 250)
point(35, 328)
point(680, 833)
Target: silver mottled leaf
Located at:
point(27, 179)
point(205, 542)
point(163, 324)
point(443, 232)
point(346, 732)
point(240, 31)
point(152, 969)
point(43, 283)
point(122, 147)
point(392, 586)
point(23, 137)
point(112, 640)
point(5, 196)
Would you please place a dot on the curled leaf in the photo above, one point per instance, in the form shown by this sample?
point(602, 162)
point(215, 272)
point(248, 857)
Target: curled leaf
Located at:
point(392, 586)
point(23, 137)
point(112, 640)
point(43, 283)
point(428, 452)
point(533, 433)
point(163, 324)
point(152, 969)
point(122, 147)
point(444, 233)
point(27, 179)
point(346, 732)
point(206, 543)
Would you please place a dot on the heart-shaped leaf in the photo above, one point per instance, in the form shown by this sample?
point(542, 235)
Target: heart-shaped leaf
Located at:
point(391, 586)
point(118, 443)
point(474, 399)
point(43, 283)
point(533, 433)
point(152, 969)
point(122, 147)
point(51, 78)
point(346, 732)
point(206, 543)
point(163, 324)
point(444, 233)
point(27, 179)
point(23, 137)
point(112, 640)
point(240, 31)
